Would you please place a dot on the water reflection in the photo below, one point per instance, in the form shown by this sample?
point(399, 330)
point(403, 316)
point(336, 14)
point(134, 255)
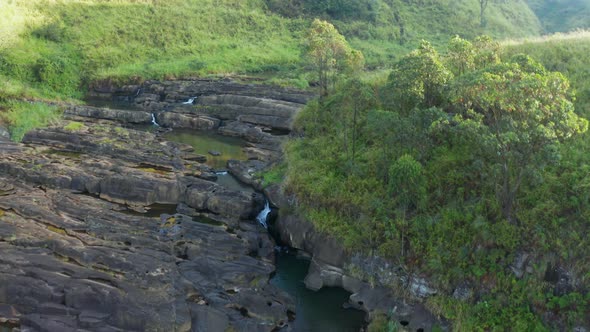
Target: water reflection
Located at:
point(319, 311)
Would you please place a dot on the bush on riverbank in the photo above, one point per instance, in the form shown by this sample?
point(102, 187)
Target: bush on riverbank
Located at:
point(458, 234)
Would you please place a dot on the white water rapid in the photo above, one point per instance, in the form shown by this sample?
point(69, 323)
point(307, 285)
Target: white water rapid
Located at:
point(190, 101)
point(261, 218)
point(154, 120)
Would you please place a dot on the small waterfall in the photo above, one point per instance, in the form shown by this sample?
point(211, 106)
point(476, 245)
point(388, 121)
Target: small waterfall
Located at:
point(190, 101)
point(154, 122)
point(221, 173)
point(137, 93)
point(261, 218)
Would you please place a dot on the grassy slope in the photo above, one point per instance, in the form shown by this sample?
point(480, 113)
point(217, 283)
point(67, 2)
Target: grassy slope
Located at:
point(562, 15)
point(400, 25)
point(76, 42)
point(122, 39)
point(54, 49)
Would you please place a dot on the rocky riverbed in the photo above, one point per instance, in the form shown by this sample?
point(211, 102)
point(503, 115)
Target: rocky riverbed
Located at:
point(106, 226)
point(76, 254)
point(80, 249)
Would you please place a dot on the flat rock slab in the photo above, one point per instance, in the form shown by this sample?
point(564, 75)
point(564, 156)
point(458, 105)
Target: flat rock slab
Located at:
point(76, 257)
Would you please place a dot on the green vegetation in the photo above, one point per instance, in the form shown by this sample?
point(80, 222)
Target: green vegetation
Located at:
point(562, 15)
point(329, 54)
point(459, 166)
point(566, 53)
point(56, 49)
point(448, 161)
point(275, 175)
point(74, 126)
point(24, 116)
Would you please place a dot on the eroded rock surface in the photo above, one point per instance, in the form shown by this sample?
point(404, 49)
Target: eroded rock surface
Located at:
point(77, 256)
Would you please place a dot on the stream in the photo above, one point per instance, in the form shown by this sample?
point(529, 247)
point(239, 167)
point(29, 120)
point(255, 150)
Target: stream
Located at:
point(320, 311)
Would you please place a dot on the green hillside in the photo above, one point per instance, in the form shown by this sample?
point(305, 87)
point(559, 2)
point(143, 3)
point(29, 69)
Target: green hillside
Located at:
point(408, 170)
point(55, 48)
point(562, 15)
point(451, 170)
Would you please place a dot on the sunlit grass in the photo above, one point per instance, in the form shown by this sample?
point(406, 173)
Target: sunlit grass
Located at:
point(580, 34)
point(24, 116)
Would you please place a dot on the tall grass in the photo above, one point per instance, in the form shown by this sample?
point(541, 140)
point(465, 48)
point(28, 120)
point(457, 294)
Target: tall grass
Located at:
point(24, 116)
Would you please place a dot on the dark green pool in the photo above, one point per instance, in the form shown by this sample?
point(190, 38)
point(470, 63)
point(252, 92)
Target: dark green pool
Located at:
point(319, 311)
point(203, 142)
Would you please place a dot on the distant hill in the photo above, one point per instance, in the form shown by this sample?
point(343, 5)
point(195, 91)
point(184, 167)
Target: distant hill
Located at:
point(562, 15)
point(382, 29)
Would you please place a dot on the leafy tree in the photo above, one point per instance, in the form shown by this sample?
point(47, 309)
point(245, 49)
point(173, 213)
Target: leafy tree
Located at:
point(460, 56)
point(488, 51)
point(526, 111)
point(407, 182)
point(329, 54)
point(417, 80)
point(408, 187)
point(357, 98)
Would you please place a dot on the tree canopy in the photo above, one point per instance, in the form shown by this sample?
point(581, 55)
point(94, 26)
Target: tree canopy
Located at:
point(329, 54)
point(522, 110)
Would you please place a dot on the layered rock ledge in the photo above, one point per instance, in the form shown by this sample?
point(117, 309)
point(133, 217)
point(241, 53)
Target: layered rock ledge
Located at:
point(79, 251)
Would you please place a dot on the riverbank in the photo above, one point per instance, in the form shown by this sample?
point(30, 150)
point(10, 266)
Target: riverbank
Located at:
point(127, 223)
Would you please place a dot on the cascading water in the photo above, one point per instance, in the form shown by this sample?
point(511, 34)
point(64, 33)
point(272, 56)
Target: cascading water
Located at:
point(137, 93)
point(315, 311)
point(154, 122)
point(190, 101)
point(261, 218)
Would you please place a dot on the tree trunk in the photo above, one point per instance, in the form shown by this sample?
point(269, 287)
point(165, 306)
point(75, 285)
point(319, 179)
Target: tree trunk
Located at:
point(482, 8)
point(354, 130)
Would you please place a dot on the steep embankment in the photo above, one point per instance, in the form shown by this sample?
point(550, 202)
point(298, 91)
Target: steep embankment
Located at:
point(418, 187)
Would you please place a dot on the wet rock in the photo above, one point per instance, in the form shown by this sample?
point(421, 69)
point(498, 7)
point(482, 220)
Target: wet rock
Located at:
point(194, 157)
point(4, 133)
point(190, 121)
point(179, 91)
point(214, 153)
point(127, 116)
point(253, 134)
point(75, 262)
point(420, 288)
point(217, 100)
point(247, 171)
point(330, 266)
point(261, 111)
point(9, 315)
